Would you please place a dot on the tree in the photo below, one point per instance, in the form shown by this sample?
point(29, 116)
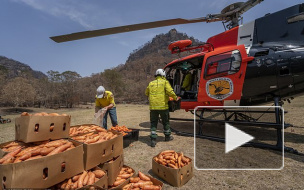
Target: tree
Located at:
point(70, 92)
point(19, 92)
point(86, 89)
point(3, 78)
point(113, 81)
point(53, 89)
point(42, 87)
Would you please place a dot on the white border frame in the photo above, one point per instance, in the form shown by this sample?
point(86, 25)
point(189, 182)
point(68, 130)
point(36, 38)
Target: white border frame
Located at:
point(222, 107)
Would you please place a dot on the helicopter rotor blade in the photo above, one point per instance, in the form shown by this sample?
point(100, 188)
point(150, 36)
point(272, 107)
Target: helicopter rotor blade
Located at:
point(230, 13)
point(248, 5)
point(127, 28)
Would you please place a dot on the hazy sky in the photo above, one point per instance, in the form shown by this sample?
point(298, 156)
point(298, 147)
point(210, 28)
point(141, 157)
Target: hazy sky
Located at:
point(26, 26)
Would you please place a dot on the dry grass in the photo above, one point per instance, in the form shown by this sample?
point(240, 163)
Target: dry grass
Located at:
point(139, 154)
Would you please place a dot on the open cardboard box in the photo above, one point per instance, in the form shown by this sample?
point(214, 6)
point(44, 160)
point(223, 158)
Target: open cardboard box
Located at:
point(113, 168)
point(43, 172)
point(38, 128)
point(102, 183)
point(97, 153)
point(175, 177)
point(119, 187)
point(154, 181)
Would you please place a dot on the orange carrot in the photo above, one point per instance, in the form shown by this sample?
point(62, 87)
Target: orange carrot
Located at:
point(91, 178)
point(143, 176)
point(81, 178)
point(11, 154)
point(118, 182)
point(60, 148)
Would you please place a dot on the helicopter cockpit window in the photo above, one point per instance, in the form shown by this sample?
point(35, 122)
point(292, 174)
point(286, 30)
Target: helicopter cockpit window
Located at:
point(226, 63)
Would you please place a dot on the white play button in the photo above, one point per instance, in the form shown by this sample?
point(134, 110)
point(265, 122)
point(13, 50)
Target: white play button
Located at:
point(235, 138)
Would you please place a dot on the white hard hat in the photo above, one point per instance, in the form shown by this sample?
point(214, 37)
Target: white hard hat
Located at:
point(160, 72)
point(100, 92)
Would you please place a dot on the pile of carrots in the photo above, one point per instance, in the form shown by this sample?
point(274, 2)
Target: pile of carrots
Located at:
point(32, 151)
point(124, 174)
point(90, 138)
point(85, 129)
point(141, 182)
point(123, 129)
point(42, 114)
point(172, 159)
point(81, 180)
point(12, 146)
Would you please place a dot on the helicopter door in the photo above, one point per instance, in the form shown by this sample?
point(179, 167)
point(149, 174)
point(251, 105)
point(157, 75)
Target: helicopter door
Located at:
point(284, 76)
point(297, 60)
point(223, 76)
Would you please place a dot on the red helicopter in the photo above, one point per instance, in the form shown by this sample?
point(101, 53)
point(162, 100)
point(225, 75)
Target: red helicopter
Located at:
point(259, 61)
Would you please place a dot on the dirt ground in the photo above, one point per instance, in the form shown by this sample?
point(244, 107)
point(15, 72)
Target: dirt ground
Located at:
point(139, 154)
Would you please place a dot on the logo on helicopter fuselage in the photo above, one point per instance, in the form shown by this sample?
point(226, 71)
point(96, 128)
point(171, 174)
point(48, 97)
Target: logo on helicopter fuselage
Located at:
point(219, 88)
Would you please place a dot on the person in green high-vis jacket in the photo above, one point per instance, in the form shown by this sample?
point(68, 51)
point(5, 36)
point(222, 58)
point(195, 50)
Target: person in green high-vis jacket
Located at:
point(159, 91)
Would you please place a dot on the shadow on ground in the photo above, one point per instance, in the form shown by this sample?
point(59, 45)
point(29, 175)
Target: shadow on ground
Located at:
point(262, 134)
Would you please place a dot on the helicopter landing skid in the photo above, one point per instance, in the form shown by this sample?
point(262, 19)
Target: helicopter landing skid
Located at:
point(240, 117)
point(219, 139)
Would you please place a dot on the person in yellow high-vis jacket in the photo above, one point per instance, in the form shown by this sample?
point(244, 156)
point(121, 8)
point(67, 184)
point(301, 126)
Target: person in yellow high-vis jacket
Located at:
point(159, 91)
point(187, 83)
point(105, 100)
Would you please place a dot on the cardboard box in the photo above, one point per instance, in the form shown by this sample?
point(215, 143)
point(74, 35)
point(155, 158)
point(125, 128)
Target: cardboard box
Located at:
point(97, 153)
point(38, 128)
point(175, 177)
point(124, 183)
point(94, 187)
point(102, 183)
point(155, 181)
point(30, 174)
point(113, 168)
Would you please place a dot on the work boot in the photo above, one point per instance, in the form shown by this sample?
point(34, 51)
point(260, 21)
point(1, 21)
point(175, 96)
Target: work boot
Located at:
point(168, 138)
point(153, 142)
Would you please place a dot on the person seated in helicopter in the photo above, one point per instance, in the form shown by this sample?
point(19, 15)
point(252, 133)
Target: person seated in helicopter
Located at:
point(187, 82)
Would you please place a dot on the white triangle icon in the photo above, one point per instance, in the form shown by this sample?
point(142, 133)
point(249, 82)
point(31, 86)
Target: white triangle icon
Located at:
point(235, 138)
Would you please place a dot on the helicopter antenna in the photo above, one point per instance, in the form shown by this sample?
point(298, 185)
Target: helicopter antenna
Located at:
point(230, 15)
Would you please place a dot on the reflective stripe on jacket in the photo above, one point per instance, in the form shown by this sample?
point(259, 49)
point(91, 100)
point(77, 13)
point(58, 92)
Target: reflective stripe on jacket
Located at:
point(158, 92)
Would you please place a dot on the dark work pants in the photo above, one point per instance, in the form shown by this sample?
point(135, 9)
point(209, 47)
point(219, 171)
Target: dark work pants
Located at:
point(164, 115)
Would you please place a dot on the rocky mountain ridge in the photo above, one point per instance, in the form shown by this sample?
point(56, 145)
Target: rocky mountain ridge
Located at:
point(12, 69)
